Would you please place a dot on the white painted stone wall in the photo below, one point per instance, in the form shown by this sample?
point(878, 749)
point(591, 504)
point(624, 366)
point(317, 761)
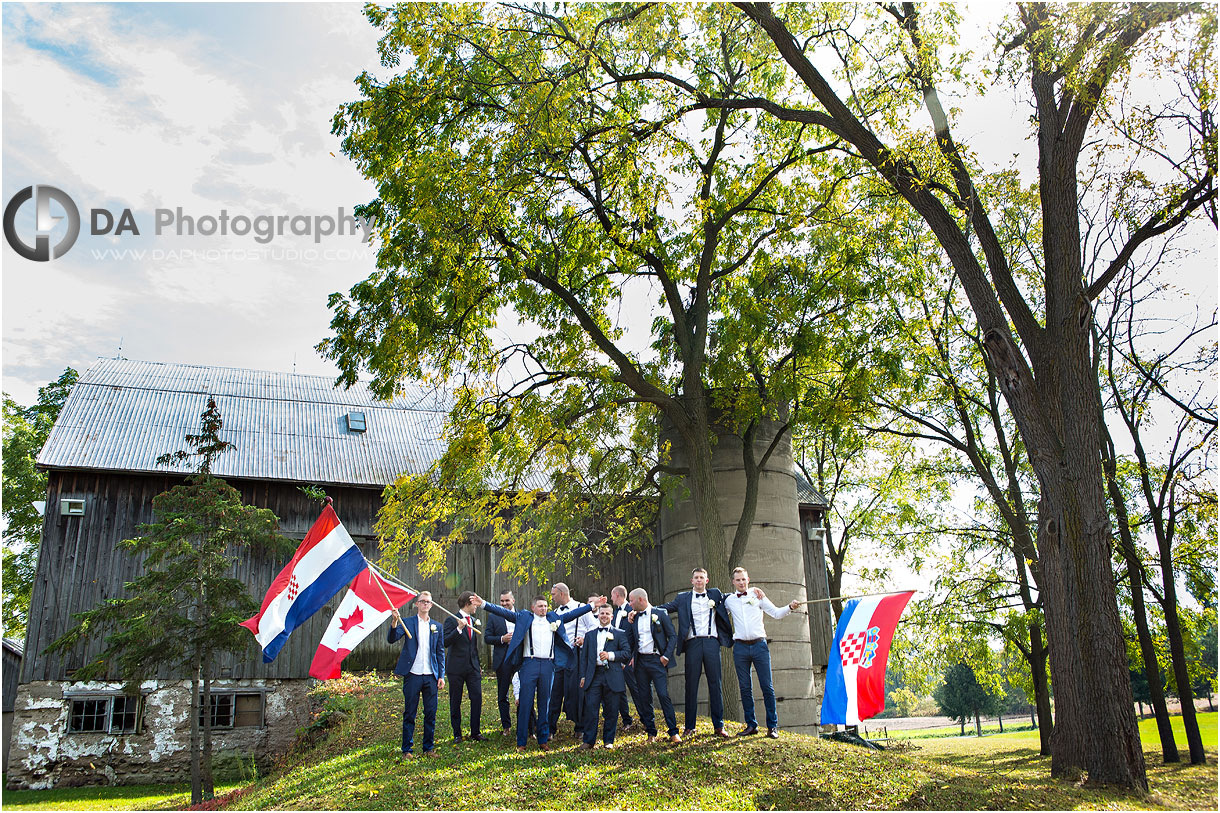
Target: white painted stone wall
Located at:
point(43, 754)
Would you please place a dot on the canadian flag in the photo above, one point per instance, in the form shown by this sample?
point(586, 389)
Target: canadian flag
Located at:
point(362, 610)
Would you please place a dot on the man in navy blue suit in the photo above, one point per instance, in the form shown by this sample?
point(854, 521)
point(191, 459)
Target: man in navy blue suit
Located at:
point(618, 599)
point(602, 656)
point(539, 645)
point(422, 666)
point(652, 639)
point(703, 627)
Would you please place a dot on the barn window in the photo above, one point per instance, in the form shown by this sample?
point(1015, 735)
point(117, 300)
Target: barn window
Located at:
point(111, 714)
point(355, 422)
point(235, 710)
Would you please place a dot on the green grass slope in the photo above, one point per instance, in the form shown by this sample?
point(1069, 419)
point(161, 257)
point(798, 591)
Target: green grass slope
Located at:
point(353, 765)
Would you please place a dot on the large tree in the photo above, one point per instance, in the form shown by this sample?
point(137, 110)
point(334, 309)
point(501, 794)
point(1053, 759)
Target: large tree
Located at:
point(590, 260)
point(25, 432)
point(1073, 61)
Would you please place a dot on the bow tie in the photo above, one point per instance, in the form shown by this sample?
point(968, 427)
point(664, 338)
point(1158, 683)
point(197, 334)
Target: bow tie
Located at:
point(741, 594)
point(700, 595)
point(606, 628)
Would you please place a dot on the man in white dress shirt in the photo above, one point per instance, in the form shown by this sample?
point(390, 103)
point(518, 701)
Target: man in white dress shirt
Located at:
point(565, 689)
point(747, 606)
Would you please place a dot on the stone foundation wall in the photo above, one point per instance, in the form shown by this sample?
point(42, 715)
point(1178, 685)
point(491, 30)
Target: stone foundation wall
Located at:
point(43, 754)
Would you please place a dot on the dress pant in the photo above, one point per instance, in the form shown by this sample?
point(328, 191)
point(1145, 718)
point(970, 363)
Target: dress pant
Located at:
point(504, 687)
point(649, 673)
point(600, 697)
point(413, 686)
point(565, 695)
point(629, 678)
point(703, 654)
point(757, 654)
point(471, 680)
point(537, 674)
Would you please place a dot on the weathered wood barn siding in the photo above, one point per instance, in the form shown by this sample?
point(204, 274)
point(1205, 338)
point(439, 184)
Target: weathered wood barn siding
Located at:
point(79, 566)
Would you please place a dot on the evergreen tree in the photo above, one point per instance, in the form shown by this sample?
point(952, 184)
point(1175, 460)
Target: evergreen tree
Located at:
point(961, 697)
point(183, 611)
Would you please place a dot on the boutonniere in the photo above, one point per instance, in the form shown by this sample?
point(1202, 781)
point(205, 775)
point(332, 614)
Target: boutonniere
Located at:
point(751, 600)
point(554, 626)
point(432, 627)
point(655, 619)
point(711, 602)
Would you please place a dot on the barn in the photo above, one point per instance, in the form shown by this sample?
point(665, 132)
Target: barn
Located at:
point(288, 431)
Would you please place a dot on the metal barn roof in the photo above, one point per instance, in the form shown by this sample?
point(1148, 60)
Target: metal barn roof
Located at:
point(123, 414)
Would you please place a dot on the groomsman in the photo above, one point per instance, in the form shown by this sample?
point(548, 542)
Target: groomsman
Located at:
point(603, 654)
point(652, 639)
point(703, 627)
point(618, 598)
point(583, 625)
point(750, 648)
point(499, 632)
point(463, 668)
point(539, 645)
point(565, 691)
point(422, 666)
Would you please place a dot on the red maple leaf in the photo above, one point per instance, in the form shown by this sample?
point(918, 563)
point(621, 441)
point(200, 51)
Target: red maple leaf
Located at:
point(353, 620)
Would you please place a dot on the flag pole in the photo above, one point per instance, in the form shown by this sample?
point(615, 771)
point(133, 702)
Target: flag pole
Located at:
point(378, 570)
point(861, 595)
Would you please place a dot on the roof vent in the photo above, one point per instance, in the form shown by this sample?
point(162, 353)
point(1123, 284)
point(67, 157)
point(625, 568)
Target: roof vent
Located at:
point(72, 508)
point(355, 422)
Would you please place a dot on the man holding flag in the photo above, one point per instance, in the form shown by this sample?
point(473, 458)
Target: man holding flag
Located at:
point(422, 666)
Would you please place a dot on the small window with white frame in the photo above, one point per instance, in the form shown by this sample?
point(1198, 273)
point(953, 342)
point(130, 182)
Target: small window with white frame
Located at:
point(104, 714)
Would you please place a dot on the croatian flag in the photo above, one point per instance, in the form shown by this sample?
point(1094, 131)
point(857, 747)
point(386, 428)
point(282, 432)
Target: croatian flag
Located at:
point(362, 610)
point(326, 560)
point(855, 676)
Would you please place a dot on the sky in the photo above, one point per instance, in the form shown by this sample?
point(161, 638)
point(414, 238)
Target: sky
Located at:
point(207, 107)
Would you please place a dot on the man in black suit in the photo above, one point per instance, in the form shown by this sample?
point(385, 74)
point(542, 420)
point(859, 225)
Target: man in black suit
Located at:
point(499, 633)
point(652, 639)
point(703, 627)
point(618, 597)
point(463, 668)
point(603, 654)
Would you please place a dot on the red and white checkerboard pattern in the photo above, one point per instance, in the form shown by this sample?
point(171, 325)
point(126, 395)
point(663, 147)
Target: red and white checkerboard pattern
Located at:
point(851, 648)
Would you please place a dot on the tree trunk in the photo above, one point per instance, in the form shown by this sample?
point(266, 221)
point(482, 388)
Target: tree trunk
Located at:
point(1177, 652)
point(196, 789)
point(1126, 546)
point(962, 723)
point(1033, 720)
point(712, 540)
point(1042, 690)
point(978, 725)
point(205, 763)
point(1000, 719)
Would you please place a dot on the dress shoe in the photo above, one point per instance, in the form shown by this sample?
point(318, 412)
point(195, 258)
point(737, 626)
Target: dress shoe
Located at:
point(546, 746)
point(405, 755)
point(609, 746)
point(430, 754)
point(720, 732)
point(627, 726)
point(773, 733)
point(747, 731)
point(651, 739)
point(521, 748)
point(457, 739)
point(584, 746)
point(507, 732)
point(478, 738)
point(690, 732)
point(675, 739)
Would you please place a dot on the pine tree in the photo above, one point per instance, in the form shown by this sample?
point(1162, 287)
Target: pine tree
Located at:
point(183, 610)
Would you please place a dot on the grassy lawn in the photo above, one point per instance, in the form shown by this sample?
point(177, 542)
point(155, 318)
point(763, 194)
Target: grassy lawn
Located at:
point(122, 797)
point(353, 766)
